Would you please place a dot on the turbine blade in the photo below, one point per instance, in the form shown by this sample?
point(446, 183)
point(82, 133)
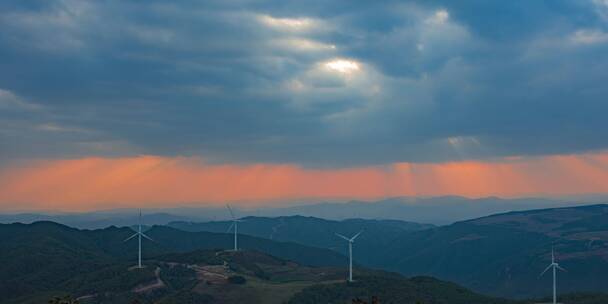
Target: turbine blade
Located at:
point(561, 268)
point(134, 235)
point(356, 235)
point(548, 267)
point(231, 212)
point(142, 234)
point(230, 228)
point(343, 237)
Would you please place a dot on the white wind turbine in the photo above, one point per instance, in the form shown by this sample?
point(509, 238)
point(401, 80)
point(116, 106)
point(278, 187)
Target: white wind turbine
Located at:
point(139, 234)
point(555, 267)
point(350, 253)
point(234, 224)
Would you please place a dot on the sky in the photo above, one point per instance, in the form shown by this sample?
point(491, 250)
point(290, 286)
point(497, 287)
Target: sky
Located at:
point(126, 103)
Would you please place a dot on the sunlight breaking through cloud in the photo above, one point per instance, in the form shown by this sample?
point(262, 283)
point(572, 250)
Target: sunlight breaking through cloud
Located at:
point(343, 66)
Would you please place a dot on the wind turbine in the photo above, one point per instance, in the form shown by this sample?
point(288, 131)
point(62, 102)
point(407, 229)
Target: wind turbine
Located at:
point(555, 266)
point(139, 234)
point(350, 253)
point(235, 225)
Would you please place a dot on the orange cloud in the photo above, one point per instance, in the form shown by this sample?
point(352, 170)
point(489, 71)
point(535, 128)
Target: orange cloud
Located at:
point(152, 181)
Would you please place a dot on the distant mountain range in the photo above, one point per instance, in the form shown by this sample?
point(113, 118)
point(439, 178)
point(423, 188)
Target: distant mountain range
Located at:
point(434, 210)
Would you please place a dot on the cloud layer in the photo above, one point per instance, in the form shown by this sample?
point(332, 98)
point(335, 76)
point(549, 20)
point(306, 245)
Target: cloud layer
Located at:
point(308, 83)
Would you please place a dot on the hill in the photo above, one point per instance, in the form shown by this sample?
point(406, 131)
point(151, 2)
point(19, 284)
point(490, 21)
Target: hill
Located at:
point(95, 266)
point(312, 231)
point(501, 254)
point(211, 276)
point(45, 256)
point(504, 254)
point(176, 240)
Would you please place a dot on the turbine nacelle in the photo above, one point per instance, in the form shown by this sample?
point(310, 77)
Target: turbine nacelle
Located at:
point(352, 239)
point(138, 233)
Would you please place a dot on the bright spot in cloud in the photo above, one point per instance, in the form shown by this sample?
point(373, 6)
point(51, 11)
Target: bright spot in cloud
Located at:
point(439, 17)
point(290, 24)
point(342, 66)
point(589, 37)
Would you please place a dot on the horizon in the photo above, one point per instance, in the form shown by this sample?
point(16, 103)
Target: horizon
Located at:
point(437, 211)
point(574, 200)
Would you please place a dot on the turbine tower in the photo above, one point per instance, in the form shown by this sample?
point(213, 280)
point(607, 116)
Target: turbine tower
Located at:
point(139, 234)
point(235, 225)
point(555, 267)
point(350, 253)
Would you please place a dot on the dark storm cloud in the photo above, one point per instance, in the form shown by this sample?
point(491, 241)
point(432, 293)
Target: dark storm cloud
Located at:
point(309, 82)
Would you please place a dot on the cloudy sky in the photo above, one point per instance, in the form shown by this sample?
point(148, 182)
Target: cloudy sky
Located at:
point(123, 103)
